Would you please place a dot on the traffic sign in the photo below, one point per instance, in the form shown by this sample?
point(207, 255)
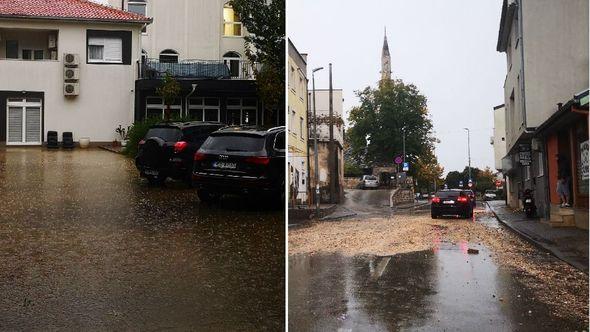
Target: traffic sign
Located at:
point(461, 184)
point(498, 183)
point(406, 167)
point(398, 160)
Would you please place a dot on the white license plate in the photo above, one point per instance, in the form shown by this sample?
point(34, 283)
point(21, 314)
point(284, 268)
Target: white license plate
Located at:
point(449, 202)
point(151, 172)
point(224, 165)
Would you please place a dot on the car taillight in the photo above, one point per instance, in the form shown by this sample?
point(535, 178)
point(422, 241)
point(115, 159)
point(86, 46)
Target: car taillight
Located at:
point(435, 199)
point(258, 160)
point(462, 199)
point(200, 156)
point(180, 146)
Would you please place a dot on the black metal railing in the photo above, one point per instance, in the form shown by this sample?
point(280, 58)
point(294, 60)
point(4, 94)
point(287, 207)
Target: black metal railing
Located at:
point(197, 69)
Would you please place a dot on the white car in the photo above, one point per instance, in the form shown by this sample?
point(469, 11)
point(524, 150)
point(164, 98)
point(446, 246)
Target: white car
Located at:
point(489, 195)
point(370, 181)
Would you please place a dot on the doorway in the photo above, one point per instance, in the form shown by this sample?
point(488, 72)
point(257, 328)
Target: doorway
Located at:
point(23, 121)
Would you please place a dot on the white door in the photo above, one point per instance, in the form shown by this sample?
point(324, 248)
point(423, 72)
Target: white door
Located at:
point(23, 125)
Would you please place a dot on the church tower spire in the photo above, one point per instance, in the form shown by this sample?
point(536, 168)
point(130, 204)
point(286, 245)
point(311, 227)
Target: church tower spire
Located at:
point(385, 60)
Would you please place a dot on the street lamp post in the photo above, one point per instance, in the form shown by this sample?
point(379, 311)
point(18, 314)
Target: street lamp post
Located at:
point(315, 146)
point(468, 153)
point(404, 142)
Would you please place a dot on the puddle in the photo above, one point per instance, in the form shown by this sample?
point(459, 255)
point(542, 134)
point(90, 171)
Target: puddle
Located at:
point(442, 289)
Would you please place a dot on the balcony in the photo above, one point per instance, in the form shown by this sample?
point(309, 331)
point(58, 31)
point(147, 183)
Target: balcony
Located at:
point(28, 44)
point(197, 69)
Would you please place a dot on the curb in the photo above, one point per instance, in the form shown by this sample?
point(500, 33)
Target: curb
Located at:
point(537, 244)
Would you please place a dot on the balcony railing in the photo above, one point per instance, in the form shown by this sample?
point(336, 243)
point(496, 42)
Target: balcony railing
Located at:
point(197, 69)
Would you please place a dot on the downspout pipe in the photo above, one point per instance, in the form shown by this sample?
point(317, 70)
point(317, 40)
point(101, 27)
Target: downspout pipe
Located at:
point(194, 85)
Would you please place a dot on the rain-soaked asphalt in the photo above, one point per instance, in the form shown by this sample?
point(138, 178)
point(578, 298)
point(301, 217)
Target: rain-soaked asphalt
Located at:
point(84, 244)
point(444, 289)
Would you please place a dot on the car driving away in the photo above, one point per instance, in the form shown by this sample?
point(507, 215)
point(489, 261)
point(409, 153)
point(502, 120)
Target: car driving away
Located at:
point(167, 149)
point(369, 181)
point(241, 161)
point(489, 195)
point(454, 202)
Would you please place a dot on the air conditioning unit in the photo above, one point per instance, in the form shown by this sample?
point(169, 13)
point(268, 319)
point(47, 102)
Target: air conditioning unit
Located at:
point(52, 41)
point(71, 89)
point(71, 73)
point(71, 59)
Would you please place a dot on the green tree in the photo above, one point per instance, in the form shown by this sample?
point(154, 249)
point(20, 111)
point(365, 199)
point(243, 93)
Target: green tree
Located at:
point(428, 172)
point(169, 91)
point(376, 126)
point(265, 45)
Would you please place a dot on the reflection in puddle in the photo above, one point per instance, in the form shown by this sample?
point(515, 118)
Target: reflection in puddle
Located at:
point(441, 289)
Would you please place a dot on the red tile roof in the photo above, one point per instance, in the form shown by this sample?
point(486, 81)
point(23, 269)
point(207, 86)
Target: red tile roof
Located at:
point(67, 9)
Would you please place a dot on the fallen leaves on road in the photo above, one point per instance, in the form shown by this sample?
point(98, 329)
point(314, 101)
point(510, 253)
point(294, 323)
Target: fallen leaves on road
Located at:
point(562, 287)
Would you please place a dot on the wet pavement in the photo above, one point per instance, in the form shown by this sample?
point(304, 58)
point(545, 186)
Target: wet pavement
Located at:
point(85, 244)
point(442, 289)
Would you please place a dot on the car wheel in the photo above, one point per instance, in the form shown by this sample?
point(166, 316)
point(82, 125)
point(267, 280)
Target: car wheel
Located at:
point(156, 180)
point(433, 215)
point(206, 196)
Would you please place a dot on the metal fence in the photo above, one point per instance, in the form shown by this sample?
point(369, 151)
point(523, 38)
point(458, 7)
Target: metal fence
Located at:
point(197, 69)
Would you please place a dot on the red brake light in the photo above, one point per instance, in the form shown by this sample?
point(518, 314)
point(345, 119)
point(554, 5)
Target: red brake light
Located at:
point(180, 146)
point(462, 199)
point(258, 160)
point(435, 199)
point(200, 156)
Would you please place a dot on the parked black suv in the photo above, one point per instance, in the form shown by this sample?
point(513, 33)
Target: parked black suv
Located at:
point(241, 160)
point(167, 149)
point(451, 202)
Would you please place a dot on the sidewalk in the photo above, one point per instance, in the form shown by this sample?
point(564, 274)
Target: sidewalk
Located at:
point(567, 244)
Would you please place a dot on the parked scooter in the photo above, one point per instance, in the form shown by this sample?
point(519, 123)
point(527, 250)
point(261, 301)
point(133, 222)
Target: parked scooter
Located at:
point(530, 209)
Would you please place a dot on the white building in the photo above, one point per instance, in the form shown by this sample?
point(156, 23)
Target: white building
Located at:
point(499, 138)
point(67, 68)
point(327, 170)
point(201, 43)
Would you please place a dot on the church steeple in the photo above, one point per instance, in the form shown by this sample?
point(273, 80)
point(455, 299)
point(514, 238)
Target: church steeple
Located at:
point(385, 60)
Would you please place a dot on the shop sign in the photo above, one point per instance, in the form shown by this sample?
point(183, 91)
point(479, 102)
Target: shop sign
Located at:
point(524, 154)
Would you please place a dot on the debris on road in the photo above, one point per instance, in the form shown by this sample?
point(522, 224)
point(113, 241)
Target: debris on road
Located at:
point(472, 251)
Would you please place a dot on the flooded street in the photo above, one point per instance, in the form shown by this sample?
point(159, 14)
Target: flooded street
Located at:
point(407, 272)
point(86, 244)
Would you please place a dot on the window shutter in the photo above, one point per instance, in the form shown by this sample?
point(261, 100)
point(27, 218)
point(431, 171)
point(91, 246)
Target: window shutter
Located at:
point(113, 49)
point(33, 125)
point(15, 124)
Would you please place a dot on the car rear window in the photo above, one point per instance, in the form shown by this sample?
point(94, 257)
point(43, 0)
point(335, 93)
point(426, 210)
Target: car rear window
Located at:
point(234, 143)
point(446, 194)
point(167, 134)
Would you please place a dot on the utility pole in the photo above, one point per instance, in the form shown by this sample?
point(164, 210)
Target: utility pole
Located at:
point(315, 146)
point(468, 153)
point(331, 153)
point(404, 142)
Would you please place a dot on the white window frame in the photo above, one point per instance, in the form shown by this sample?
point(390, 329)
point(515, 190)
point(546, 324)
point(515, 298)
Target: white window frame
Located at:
point(301, 128)
point(140, 3)
point(161, 106)
point(204, 107)
point(23, 104)
point(227, 61)
point(172, 53)
point(540, 165)
point(227, 5)
point(102, 41)
point(243, 108)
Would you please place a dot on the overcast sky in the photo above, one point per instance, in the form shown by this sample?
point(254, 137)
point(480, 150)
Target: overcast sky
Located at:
point(446, 48)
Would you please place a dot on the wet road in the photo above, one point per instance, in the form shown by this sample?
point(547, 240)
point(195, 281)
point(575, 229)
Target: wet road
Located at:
point(367, 201)
point(443, 289)
point(84, 244)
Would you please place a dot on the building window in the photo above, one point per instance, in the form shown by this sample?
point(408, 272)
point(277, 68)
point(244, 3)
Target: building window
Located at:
point(203, 109)
point(105, 50)
point(155, 108)
point(301, 127)
point(242, 111)
point(169, 56)
point(232, 61)
point(144, 56)
point(138, 7)
point(232, 26)
point(11, 49)
point(540, 171)
point(527, 172)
